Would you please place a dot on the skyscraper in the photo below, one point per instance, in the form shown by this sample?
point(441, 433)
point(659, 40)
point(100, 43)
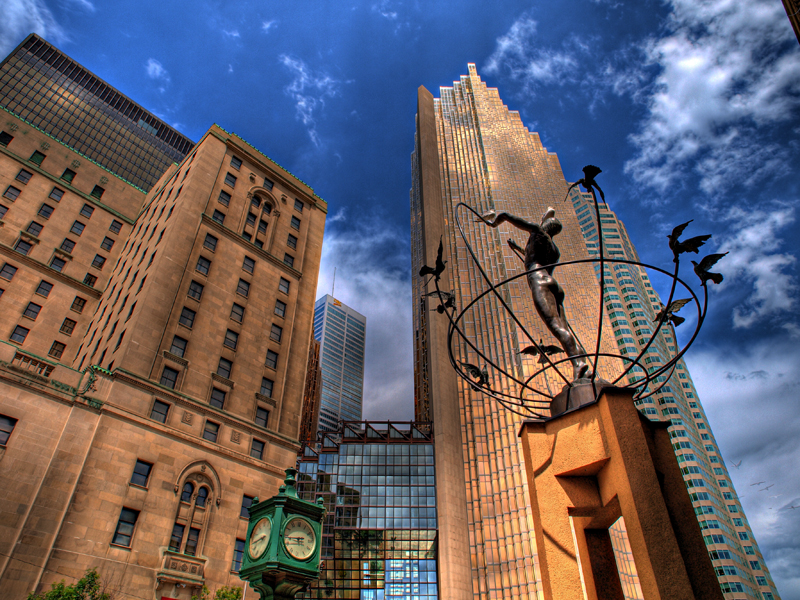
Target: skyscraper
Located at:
point(340, 330)
point(632, 304)
point(153, 355)
point(49, 90)
point(470, 148)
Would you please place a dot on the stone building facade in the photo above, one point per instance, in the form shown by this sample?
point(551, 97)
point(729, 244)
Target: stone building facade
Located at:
point(153, 357)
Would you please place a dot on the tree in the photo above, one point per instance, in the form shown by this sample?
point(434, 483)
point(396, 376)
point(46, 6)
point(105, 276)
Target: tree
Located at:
point(223, 593)
point(87, 588)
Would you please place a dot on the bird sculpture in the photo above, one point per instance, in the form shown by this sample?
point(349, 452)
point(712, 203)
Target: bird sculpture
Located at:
point(437, 270)
point(706, 263)
point(690, 245)
point(480, 375)
point(448, 300)
point(542, 350)
point(667, 313)
point(588, 182)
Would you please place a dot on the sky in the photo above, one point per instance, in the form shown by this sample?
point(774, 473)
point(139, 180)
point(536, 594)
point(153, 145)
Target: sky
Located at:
point(690, 107)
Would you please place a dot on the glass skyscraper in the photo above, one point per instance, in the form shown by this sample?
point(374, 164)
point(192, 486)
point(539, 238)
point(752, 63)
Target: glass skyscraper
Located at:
point(470, 148)
point(52, 92)
point(379, 535)
point(632, 303)
point(340, 331)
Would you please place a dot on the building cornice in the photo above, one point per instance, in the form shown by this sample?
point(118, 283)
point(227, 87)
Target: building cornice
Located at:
point(51, 272)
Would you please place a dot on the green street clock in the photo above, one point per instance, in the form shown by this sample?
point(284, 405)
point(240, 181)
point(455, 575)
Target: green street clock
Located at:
point(283, 543)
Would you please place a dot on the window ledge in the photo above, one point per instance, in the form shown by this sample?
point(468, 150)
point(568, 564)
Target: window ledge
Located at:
point(120, 546)
point(222, 380)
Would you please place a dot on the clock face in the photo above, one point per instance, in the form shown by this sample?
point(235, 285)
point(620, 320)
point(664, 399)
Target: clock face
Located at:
point(299, 538)
point(259, 538)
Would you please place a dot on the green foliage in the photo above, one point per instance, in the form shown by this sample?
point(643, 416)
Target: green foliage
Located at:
point(87, 588)
point(223, 593)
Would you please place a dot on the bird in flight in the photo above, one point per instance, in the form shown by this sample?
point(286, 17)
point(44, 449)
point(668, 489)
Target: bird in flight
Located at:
point(588, 182)
point(480, 375)
point(690, 245)
point(766, 488)
point(667, 312)
point(541, 350)
point(737, 465)
point(448, 300)
point(757, 483)
point(702, 269)
point(437, 270)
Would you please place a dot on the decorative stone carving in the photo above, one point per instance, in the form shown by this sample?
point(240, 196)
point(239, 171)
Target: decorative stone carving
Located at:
point(187, 417)
point(104, 180)
point(44, 145)
point(76, 163)
point(235, 436)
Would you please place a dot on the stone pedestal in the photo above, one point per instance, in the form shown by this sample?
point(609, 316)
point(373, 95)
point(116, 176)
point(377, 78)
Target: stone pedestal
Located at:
point(592, 465)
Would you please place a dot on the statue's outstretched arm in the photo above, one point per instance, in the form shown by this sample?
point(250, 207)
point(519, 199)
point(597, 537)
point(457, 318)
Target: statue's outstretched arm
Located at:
point(493, 219)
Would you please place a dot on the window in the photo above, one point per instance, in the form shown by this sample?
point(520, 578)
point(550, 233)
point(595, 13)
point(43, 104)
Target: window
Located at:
point(97, 192)
point(238, 554)
point(141, 473)
point(202, 496)
point(288, 259)
point(268, 184)
point(178, 347)
point(219, 217)
point(230, 179)
point(291, 241)
point(37, 158)
point(236, 162)
point(56, 350)
point(32, 310)
point(210, 431)
point(203, 265)
point(7, 272)
point(23, 247)
point(257, 449)
point(45, 211)
point(169, 377)
point(237, 313)
point(19, 334)
point(77, 304)
point(177, 537)
point(57, 264)
point(186, 493)
point(231, 339)
point(255, 201)
point(3, 211)
point(283, 286)
point(272, 359)
point(35, 228)
point(249, 264)
point(87, 211)
point(217, 398)
point(90, 280)
point(115, 226)
point(210, 242)
point(98, 261)
point(77, 228)
point(298, 205)
point(195, 290)
point(125, 526)
point(11, 193)
point(7, 425)
point(243, 288)
point(56, 194)
point(5, 138)
point(247, 502)
point(187, 317)
point(295, 223)
point(247, 236)
point(262, 226)
point(68, 175)
point(262, 414)
point(68, 245)
point(266, 387)
point(224, 198)
point(24, 176)
point(130, 312)
point(68, 326)
point(251, 220)
point(276, 332)
point(224, 368)
point(107, 243)
point(159, 412)
point(280, 308)
point(192, 538)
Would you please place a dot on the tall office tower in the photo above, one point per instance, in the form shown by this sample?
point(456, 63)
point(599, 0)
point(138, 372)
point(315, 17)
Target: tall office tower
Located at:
point(632, 304)
point(340, 331)
point(52, 92)
point(312, 396)
point(153, 359)
point(378, 481)
point(470, 148)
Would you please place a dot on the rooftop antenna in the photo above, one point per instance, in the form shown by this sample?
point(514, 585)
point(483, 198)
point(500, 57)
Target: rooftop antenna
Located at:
point(333, 286)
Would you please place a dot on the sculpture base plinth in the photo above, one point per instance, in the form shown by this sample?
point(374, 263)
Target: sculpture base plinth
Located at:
point(577, 394)
point(593, 464)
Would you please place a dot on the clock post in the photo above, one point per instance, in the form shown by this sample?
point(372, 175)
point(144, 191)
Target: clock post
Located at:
point(284, 541)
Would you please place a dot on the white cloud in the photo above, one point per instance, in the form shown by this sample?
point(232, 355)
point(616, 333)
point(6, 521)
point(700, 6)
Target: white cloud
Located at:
point(384, 10)
point(371, 261)
point(83, 4)
point(308, 89)
point(21, 17)
point(155, 70)
point(230, 68)
point(753, 244)
point(267, 25)
point(233, 33)
point(727, 69)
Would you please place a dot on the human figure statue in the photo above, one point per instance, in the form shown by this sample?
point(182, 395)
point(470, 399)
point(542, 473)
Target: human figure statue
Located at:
point(548, 295)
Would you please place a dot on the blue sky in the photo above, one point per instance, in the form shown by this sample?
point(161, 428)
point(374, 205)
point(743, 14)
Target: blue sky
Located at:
point(689, 106)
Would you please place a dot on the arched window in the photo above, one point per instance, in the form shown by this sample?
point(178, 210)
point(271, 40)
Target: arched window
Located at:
point(188, 490)
point(202, 494)
point(267, 208)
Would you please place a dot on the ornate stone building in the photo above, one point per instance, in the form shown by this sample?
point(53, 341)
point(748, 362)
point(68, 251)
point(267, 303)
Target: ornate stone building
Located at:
point(153, 353)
